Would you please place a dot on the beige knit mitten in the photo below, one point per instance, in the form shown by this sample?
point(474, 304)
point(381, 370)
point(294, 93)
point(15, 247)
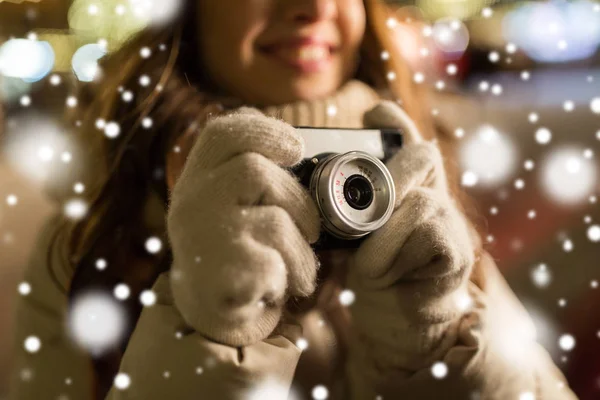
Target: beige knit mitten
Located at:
point(240, 228)
point(409, 275)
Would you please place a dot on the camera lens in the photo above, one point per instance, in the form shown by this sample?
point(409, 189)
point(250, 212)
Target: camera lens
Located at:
point(358, 192)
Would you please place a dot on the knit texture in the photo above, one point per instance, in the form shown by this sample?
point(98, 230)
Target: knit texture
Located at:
point(408, 276)
point(240, 226)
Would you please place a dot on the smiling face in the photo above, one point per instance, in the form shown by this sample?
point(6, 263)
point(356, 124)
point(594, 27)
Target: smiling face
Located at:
point(269, 52)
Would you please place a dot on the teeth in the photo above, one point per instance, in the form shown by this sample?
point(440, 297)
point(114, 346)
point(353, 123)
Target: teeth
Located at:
point(306, 53)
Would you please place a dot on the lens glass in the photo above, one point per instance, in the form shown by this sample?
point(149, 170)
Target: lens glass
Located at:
point(358, 192)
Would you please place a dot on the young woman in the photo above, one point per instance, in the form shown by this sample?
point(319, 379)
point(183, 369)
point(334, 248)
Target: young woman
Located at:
point(205, 143)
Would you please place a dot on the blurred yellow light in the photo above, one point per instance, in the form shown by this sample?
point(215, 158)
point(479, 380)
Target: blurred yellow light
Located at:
point(462, 9)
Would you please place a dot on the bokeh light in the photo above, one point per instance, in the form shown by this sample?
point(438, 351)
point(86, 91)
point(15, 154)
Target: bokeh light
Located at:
point(29, 60)
point(490, 155)
point(554, 31)
point(85, 61)
point(96, 322)
point(451, 35)
point(567, 177)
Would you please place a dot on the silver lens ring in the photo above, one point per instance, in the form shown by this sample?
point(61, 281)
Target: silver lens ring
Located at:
point(341, 215)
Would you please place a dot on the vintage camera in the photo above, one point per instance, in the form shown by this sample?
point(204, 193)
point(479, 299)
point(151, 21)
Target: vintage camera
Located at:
point(345, 173)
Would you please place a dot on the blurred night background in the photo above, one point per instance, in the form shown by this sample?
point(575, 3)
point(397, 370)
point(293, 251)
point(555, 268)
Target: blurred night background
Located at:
point(518, 82)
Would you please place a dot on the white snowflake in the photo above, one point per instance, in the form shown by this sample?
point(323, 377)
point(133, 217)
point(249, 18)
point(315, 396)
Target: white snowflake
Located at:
point(33, 344)
point(96, 321)
point(112, 130)
point(148, 298)
point(347, 297)
point(593, 233)
point(122, 291)
point(24, 288)
point(541, 276)
point(12, 200)
point(122, 381)
point(75, 209)
point(320, 392)
point(153, 245)
point(566, 342)
point(439, 370)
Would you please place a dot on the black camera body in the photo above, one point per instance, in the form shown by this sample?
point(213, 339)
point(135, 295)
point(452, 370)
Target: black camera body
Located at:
point(345, 173)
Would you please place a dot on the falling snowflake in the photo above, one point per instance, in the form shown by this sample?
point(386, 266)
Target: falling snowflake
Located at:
point(55, 80)
point(527, 396)
point(489, 154)
point(24, 288)
point(569, 105)
point(148, 298)
point(96, 322)
point(145, 52)
point(541, 276)
point(593, 233)
point(533, 118)
point(320, 392)
point(469, 179)
point(528, 165)
point(347, 297)
point(439, 370)
point(127, 96)
point(78, 187)
point(519, 184)
point(567, 177)
point(391, 23)
point(75, 209)
point(25, 101)
point(147, 123)
point(332, 110)
point(543, 135)
point(153, 245)
point(122, 291)
point(566, 342)
point(33, 344)
point(595, 105)
point(71, 101)
point(12, 200)
point(562, 302)
point(451, 69)
point(497, 89)
point(101, 264)
point(144, 80)
point(112, 130)
point(122, 381)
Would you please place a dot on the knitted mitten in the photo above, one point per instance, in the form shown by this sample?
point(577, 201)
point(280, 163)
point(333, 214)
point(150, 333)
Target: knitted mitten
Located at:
point(240, 228)
point(408, 276)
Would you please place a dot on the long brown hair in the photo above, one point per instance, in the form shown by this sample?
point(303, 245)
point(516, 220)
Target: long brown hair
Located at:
point(125, 172)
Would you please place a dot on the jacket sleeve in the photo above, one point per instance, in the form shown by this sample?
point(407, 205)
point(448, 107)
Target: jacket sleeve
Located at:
point(57, 369)
point(488, 352)
point(165, 358)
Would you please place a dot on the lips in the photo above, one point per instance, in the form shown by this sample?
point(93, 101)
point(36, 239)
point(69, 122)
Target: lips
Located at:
point(306, 54)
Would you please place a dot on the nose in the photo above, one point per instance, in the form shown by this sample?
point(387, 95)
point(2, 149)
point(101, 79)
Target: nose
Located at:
point(304, 11)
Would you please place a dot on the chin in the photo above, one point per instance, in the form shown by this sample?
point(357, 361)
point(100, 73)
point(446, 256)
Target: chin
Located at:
point(306, 89)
